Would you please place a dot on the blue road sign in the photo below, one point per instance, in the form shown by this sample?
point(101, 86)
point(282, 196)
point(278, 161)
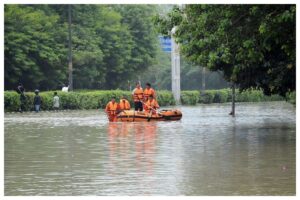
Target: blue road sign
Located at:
point(165, 43)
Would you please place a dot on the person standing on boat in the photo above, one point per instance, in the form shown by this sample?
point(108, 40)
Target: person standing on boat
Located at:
point(151, 105)
point(124, 103)
point(112, 109)
point(138, 96)
point(149, 91)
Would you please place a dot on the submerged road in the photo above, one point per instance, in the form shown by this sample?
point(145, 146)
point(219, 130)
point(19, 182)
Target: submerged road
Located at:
point(206, 153)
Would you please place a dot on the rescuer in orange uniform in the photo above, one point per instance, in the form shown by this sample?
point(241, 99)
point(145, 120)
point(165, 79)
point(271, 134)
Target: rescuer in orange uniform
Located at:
point(112, 109)
point(149, 91)
point(151, 105)
point(138, 96)
point(124, 104)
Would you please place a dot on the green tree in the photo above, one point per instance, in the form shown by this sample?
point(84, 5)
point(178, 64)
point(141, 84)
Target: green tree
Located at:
point(138, 19)
point(101, 45)
point(253, 45)
point(33, 53)
point(118, 45)
point(111, 44)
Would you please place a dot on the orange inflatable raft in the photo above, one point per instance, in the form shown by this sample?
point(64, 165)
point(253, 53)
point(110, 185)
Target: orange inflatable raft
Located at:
point(136, 116)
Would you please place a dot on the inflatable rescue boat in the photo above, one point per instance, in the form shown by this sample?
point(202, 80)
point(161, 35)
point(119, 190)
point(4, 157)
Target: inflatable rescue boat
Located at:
point(136, 116)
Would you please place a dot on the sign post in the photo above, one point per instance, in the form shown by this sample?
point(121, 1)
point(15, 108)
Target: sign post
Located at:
point(165, 43)
point(175, 57)
point(170, 46)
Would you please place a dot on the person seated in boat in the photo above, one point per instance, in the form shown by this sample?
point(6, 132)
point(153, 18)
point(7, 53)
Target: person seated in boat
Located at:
point(112, 109)
point(151, 105)
point(144, 101)
point(124, 104)
point(149, 91)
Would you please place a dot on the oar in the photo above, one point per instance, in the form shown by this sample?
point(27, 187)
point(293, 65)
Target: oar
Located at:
point(133, 115)
point(150, 115)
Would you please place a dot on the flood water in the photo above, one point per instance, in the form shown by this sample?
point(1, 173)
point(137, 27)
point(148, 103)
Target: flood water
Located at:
point(206, 153)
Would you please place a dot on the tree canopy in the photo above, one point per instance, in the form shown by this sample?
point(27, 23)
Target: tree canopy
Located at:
point(34, 52)
point(111, 43)
point(253, 45)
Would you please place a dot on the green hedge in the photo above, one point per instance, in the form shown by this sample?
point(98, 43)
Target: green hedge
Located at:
point(256, 96)
point(190, 97)
point(11, 101)
point(77, 100)
point(214, 96)
point(225, 95)
point(291, 97)
point(94, 99)
point(165, 98)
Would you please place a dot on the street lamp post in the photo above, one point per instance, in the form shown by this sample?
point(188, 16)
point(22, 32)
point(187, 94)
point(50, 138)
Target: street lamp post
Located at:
point(175, 57)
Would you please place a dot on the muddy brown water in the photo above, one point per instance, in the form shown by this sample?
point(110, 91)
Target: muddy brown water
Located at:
point(206, 153)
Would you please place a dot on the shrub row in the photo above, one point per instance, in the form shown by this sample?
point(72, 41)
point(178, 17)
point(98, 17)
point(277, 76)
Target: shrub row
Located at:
point(291, 97)
point(190, 97)
point(225, 95)
point(77, 100)
point(98, 99)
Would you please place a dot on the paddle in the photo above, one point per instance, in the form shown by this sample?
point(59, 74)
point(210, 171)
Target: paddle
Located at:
point(149, 116)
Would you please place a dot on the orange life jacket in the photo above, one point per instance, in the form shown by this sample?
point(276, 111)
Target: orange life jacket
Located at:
point(124, 104)
point(111, 108)
point(148, 92)
point(138, 94)
point(150, 105)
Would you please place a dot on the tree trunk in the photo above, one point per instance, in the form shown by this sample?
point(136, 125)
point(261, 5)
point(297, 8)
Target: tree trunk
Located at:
point(70, 63)
point(203, 78)
point(233, 101)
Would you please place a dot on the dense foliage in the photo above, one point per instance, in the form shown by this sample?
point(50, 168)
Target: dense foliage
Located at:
point(34, 48)
point(253, 45)
point(110, 44)
point(89, 99)
point(116, 45)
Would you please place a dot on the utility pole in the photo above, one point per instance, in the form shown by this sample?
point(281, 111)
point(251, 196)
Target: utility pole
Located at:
point(70, 63)
point(175, 57)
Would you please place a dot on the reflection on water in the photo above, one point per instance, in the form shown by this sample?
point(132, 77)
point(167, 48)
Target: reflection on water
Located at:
point(206, 153)
point(142, 136)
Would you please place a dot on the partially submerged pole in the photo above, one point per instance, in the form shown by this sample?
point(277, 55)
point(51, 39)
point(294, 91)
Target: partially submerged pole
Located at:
point(175, 57)
point(70, 63)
